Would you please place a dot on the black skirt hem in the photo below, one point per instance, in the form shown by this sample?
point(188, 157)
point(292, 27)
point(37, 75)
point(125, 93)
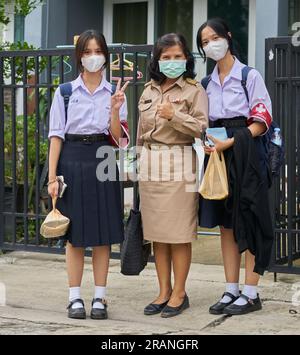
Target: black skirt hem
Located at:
point(93, 245)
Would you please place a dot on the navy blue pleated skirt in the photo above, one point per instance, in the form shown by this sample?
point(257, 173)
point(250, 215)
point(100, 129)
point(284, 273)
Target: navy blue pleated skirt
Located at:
point(213, 214)
point(93, 206)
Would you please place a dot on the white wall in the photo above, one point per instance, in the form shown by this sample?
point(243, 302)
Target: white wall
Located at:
point(1, 33)
point(33, 27)
point(263, 23)
point(8, 31)
point(267, 19)
point(252, 34)
point(200, 16)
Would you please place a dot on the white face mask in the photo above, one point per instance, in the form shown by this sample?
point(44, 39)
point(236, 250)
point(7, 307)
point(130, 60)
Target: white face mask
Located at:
point(216, 50)
point(93, 63)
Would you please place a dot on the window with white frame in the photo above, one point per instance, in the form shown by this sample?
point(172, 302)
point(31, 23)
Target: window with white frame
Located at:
point(129, 21)
point(294, 13)
point(175, 16)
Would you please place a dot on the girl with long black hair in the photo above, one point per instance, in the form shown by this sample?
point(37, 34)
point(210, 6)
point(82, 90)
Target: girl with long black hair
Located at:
point(238, 101)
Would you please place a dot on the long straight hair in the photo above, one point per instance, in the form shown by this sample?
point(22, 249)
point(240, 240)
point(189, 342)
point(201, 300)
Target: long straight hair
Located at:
point(83, 42)
point(221, 28)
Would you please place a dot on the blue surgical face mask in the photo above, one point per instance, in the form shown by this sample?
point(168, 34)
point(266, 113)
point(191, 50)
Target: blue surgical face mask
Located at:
point(172, 69)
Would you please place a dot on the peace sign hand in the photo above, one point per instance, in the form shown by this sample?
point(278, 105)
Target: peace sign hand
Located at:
point(118, 98)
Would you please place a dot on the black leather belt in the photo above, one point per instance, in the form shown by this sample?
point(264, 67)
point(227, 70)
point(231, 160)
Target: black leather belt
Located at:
point(87, 139)
point(230, 122)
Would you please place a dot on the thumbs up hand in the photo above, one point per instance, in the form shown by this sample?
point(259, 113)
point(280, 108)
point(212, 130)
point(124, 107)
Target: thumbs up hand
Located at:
point(166, 110)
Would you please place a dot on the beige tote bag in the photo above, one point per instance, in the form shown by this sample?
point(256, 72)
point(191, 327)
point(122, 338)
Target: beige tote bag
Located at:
point(214, 185)
point(55, 224)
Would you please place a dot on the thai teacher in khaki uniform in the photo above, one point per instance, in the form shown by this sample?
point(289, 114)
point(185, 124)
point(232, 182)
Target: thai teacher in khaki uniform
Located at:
point(173, 112)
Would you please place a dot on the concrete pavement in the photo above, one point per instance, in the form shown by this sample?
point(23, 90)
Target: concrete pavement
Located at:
point(36, 297)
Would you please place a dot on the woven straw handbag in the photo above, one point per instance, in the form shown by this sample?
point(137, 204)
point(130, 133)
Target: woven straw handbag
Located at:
point(55, 224)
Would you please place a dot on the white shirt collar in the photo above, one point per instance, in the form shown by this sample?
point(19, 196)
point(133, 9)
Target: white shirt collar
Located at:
point(236, 72)
point(80, 83)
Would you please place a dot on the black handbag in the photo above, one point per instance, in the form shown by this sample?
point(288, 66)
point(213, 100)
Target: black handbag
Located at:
point(135, 252)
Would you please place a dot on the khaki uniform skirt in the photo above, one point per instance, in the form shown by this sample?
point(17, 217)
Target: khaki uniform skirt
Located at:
point(168, 193)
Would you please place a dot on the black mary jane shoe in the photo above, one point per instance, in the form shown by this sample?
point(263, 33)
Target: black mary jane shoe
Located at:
point(251, 306)
point(169, 312)
point(78, 313)
point(96, 313)
point(153, 309)
point(219, 307)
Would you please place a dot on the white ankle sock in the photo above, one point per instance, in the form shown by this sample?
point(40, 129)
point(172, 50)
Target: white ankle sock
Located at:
point(74, 294)
point(249, 291)
point(233, 289)
point(100, 292)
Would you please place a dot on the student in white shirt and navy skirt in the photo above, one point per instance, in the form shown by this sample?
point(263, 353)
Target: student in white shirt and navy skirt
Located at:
point(96, 119)
point(241, 103)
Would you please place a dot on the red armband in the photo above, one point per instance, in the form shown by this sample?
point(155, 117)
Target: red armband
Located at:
point(260, 113)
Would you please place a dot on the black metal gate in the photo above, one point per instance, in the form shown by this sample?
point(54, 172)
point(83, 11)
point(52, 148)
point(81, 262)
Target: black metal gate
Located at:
point(27, 83)
point(283, 81)
point(28, 80)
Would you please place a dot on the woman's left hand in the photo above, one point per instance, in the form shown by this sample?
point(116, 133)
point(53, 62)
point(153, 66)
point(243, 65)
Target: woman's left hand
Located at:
point(118, 99)
point(221, 146)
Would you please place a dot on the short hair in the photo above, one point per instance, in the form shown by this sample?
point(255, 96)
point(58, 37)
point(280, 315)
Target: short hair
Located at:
point(221, 28)
point(82, 44)
point(164, 42)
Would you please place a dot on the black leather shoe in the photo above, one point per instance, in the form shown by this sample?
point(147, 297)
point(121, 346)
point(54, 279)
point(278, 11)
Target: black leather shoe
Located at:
point(251, 306)
point(153, 309)
point(169, 312)
point(96, 313)
point(219, 307)
point(78, 313)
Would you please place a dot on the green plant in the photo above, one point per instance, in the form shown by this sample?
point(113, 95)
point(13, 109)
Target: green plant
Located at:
point(19, 122)
point(19, 61)
point(31, 231)
point(25, 7)
point(4, 19)
point(31, 152)
point(21, 7)
point(43, 100)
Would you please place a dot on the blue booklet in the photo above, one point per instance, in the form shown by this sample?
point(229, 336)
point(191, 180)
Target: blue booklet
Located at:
point(219, 133)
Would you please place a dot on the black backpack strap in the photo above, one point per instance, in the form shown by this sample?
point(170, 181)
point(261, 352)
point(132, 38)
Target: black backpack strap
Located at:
point(66, 93)
point(205, 81)
point(245, 72)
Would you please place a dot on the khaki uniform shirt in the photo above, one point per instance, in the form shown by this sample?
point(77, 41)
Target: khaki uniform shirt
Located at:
point(190, 103)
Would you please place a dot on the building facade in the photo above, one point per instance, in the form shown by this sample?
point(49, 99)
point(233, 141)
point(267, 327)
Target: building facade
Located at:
point(142, 21)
